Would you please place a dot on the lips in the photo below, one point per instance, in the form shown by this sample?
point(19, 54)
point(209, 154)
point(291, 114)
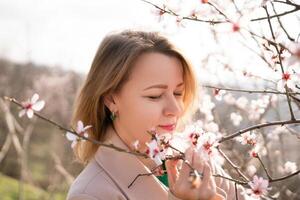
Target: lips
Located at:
point(169, 127)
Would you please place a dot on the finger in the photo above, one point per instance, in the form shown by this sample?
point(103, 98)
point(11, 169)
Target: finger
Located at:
point(184, 173)
point(171, 167)
point(185, 169)
point(198, 163)
point(207, 176)
point(189, 155)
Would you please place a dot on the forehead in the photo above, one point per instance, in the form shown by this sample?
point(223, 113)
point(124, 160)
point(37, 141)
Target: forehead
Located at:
point(156, 68)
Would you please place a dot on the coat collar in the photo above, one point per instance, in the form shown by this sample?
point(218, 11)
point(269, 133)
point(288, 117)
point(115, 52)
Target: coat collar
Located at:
point(124, 167)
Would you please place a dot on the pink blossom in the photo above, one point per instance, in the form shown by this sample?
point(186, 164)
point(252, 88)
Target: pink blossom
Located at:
point(247, 138)
point(295, 54)
point(194, 14)
point(31, 105)
point(136, 145)
point(154, 152)
point(207, 145)
point(193, 132)
point(164, 140)
point(159, 13)
point(254, 152)
point(159, 171)
point(219, 94)
point(288, 78)
point(80, 130)
point(235, 27)
point(194, 138)
point(179, 21)
point(259, 187)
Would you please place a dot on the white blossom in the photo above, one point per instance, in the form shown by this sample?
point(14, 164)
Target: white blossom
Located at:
point(236, 118)
point(154, 152)
point(242, 102)
point(251, 169)
point(259, 187)
point(290, 167)
point(218, 94)
point(295, 54)
point(31, 105)
point(247, 138)
point(80, 130)
point(229, 99)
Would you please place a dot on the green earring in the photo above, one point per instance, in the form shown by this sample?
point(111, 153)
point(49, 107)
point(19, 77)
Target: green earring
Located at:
point(113, 116)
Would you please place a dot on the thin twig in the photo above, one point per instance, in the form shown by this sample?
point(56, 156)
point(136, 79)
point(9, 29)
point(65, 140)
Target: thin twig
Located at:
point(278, 15)
point(258, 126)
point(280, 23)
point(248, 91)
point(112, 146)
point(233, 165)
point(285, 177)
point(231, 179)
point(265, 168)
point(139, 175)
point(280, 62)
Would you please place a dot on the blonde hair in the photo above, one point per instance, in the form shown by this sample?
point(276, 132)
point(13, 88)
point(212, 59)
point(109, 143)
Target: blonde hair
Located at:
point(110, 70)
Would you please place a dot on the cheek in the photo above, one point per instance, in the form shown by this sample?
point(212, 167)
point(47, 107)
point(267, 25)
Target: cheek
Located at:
point(140, 115)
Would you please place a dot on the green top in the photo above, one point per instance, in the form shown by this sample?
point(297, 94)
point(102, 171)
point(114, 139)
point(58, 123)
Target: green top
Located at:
point(164, 178)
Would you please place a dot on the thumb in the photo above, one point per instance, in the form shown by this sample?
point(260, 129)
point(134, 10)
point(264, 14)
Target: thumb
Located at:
point(172, 171)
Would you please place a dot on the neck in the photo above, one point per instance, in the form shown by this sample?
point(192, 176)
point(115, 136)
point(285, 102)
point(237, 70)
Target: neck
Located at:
point(150, 164)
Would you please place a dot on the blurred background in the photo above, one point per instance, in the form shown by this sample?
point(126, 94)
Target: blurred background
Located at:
point(46, 47)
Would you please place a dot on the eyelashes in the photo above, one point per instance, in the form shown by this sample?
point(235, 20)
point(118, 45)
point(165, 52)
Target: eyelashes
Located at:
point(159, 96)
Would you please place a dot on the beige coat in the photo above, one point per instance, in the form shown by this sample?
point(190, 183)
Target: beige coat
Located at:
point(108, 175)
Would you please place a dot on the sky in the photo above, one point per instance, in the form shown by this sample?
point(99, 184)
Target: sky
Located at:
point(64, 33)
point(67, 33)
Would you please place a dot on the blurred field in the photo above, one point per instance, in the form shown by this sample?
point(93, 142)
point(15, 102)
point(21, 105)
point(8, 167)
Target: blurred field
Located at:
point(47, 159)
point(38, 155)
point(9, 189)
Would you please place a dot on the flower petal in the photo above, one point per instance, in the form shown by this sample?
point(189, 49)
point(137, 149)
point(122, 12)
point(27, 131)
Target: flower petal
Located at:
point(87, 127)
point(34, 98)
point(29, 113)
point(71, 136)
point(281, 85)
point(157, 160)
point(22, 112)
point(38, 105)
point(79, 126)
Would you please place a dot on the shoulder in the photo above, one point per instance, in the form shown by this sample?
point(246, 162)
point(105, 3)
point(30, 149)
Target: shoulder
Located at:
point(94, 184)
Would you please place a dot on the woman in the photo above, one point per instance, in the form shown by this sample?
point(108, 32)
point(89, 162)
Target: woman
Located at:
point(138, 81)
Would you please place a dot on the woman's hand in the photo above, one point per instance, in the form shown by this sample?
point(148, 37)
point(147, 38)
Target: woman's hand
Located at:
point(180, 183)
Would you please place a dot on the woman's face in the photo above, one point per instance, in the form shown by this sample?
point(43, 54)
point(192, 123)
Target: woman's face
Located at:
point(151, 98)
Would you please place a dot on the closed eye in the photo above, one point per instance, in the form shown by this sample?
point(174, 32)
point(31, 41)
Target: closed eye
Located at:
point(154, 97)
point(178, 94)
point(159, 96)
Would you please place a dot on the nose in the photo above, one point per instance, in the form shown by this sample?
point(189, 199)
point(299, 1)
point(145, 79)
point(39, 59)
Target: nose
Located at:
point(173, 107)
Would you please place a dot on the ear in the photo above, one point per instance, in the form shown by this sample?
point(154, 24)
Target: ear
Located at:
point(110, 103)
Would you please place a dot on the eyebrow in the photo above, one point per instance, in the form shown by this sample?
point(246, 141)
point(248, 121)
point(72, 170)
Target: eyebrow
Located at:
point(161, 86)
